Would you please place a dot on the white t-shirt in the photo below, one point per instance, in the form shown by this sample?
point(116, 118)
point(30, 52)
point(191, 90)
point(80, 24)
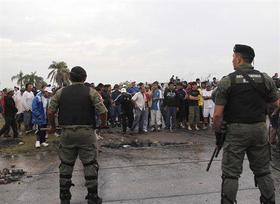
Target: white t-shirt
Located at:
point(27, 98)
point(139, 99)
point(18, 101)
point(208, 103)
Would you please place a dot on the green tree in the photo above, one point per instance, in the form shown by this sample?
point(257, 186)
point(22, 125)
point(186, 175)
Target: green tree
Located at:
point(34, 79)
point(20, 78)
point(59, 73)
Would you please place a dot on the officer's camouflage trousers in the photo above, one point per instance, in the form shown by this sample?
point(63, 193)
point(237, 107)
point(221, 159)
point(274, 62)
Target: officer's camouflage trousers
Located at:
point(252, 140)
point(77, 142)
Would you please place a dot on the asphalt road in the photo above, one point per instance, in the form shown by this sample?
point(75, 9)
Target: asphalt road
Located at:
point(156, 175)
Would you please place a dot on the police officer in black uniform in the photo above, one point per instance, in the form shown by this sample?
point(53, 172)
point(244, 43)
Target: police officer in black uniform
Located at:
point(76, 105)
point(241, 99)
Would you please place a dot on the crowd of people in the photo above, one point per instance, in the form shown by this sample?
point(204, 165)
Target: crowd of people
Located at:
point(136, 108)
point(153, 107)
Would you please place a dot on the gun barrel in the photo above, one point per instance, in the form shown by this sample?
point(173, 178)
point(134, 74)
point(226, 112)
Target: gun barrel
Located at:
point(218, 151)
point(212, 157)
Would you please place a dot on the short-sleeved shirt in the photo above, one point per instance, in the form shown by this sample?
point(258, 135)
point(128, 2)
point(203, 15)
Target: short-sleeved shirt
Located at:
point(156, 99)
point(140, 99)
point(94, 96)
point(222, 91)
point(208, 103)
point(133, 90)
point(194, 93)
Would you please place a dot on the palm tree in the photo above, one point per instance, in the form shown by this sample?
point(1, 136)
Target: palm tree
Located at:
point(59, 73)
point(19, 77)
point(34, 79)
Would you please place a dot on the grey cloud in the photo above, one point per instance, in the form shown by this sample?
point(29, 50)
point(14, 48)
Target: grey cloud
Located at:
point(141, 39)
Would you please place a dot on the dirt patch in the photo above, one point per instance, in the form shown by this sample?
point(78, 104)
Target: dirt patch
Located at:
point(118, 141)
point(108, 139)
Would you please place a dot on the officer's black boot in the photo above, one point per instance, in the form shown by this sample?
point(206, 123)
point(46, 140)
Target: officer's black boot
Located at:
point(65, 194)
point(264, 200)
point(229, 189)
point(92, 196)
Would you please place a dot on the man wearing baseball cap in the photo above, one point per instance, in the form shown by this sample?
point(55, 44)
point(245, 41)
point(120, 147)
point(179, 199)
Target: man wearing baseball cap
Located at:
point(40, 105)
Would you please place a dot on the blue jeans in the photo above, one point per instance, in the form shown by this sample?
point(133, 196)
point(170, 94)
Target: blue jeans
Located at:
point(115, 114)
point(139, 117)
point(171, 117)
point(146, 120)
point(27, 120)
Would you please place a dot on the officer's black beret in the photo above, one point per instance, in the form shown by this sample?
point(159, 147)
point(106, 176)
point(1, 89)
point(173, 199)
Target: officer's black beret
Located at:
point(78, 74)
point(245, 50)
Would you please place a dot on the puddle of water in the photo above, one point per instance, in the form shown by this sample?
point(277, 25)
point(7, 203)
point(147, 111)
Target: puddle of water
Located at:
point(30, 163)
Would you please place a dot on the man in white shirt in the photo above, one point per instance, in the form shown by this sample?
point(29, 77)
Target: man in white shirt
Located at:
point(19, 105)
point(139, 109)
point(208, 106)
point(27, 98)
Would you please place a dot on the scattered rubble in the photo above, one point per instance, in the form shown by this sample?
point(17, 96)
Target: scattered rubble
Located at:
point(10, 175)
point(140, 143)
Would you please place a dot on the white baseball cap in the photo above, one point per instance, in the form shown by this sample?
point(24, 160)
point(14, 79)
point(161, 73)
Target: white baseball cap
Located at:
point(123, 90)
point(48, 89)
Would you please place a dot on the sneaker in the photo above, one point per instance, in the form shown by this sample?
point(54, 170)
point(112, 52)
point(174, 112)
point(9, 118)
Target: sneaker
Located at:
point(181, 125)
point(153, 129)
point(204, 127)
point(189, 128)
point(47, 136)
point(37, 144)
point(196, 128)
point(44, 144)
point(56, 134)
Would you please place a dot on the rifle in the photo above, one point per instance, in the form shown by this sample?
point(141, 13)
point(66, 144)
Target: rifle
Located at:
point(215, 154)
point(218, 147)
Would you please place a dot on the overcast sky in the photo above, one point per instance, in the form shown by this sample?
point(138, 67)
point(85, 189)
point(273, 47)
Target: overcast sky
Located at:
point(142, 40)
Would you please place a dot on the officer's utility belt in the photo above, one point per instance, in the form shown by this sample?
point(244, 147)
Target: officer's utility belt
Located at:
point(76, 126)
